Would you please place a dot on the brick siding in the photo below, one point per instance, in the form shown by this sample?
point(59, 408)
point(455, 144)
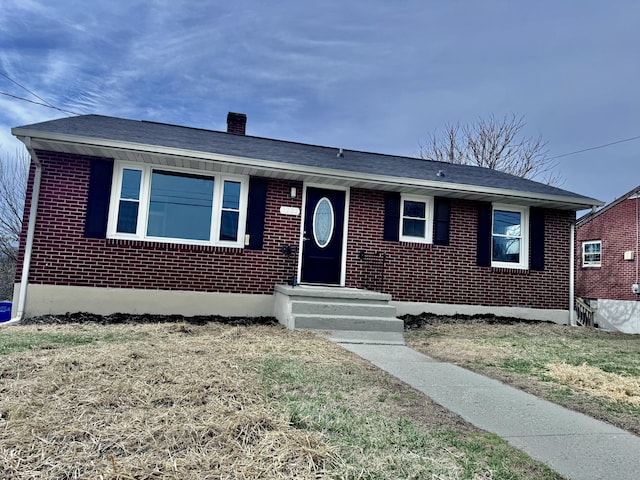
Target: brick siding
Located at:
point(616, 229)
point(63, 256)
point(448, 273)
point(413, 272)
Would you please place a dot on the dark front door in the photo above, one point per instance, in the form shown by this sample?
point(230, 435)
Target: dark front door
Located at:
point(323, 235)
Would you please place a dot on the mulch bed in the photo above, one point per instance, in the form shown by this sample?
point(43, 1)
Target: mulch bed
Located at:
point(411, 322)
point(414, 322)
point(125, 318)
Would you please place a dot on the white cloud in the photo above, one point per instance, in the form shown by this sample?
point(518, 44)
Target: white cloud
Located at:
point(374, 75)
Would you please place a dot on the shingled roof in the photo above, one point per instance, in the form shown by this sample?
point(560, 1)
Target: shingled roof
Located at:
point(391, 172)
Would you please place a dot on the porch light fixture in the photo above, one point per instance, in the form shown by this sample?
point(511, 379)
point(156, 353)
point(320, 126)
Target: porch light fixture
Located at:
point(294, 192)
point(340, 153)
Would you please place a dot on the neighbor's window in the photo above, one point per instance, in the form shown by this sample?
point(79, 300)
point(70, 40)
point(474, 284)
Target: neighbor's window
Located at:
point(416, 223)
point(509, 237)
point(158, 204)
point(591, 253)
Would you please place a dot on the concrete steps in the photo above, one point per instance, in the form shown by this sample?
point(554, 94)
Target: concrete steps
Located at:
point(336, 309)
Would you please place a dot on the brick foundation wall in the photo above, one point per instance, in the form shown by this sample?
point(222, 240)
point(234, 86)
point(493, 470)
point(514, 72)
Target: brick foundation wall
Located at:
point(63, 256)
point(413, 272)
point(616, 228)
point(448, 273)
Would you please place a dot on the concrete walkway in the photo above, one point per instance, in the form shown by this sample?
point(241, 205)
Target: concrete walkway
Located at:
point(572, 444)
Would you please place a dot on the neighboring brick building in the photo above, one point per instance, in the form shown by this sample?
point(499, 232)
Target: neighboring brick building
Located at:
point(146, 217)
point(607, 262)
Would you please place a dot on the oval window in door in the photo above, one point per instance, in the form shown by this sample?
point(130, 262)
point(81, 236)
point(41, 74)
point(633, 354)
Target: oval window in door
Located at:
point(323, 222)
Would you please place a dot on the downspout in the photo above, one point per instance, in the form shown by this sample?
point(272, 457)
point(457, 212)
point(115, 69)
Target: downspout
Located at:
point(572, 261)
point(26, 262)
point(637, 234)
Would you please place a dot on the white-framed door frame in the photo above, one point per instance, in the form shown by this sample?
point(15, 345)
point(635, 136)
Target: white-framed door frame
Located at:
point(345, 227)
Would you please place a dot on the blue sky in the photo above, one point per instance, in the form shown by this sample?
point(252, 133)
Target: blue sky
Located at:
point(371, 75)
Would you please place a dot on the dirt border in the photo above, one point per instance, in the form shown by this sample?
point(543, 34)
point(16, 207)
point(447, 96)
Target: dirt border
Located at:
point(415, 322)
point(126, 318)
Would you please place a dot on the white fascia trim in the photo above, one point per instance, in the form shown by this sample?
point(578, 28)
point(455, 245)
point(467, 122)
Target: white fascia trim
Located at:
point(301, 169)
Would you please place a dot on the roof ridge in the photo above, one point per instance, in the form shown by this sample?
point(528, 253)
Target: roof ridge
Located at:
point(290, 142)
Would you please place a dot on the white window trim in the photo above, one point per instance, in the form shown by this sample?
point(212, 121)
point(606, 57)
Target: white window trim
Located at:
point(143, 210)
point(428, 213)
point(591, 264)
point(524, 236)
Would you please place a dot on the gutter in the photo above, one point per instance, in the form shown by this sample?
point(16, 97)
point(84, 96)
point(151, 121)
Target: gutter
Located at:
point(33, 209)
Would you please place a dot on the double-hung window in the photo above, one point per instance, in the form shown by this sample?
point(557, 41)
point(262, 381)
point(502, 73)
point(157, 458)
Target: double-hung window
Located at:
point(509, 237)
point(592, 253)
point(180, 206)
point(416, 219)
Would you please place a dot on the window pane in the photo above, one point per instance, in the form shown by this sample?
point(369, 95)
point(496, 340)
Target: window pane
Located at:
point(323, 222)
point(506, 223)
point(229, 226)
point(127, 217)
point(414, 209)
point(506, 249)
point(413, 228)
point(180, 206)
point(231, 195)
point(131, 184)
point(592, 248)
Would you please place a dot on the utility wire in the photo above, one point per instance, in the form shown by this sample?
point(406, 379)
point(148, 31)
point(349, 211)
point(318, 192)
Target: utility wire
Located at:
point(49, 105)
point(25, 88)
point(39, 103)
point(596, 148)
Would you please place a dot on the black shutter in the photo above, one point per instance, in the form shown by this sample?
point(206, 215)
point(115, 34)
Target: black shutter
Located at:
point(536, 235)
point(484, 234)
point(442, 215)
point(256, 212)
point(392, 216)
point(95, 224)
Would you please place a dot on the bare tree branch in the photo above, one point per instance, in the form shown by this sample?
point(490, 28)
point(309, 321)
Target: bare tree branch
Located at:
point(13, 185)
point(494, 143)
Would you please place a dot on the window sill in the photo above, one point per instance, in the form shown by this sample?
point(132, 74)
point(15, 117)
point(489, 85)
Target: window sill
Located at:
point(416, 244)
point(172, 246)
point(511, 270)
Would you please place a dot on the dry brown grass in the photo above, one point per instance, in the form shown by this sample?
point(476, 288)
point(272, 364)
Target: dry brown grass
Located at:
point(593, 372)
point(186, 401)
point(176, 406)
point(596, 382)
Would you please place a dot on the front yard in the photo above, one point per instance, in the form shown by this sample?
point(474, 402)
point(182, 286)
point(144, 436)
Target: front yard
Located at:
point(591, 371)
point(184, 400)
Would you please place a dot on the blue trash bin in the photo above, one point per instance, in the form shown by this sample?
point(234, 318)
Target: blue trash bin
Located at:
point(5, 311)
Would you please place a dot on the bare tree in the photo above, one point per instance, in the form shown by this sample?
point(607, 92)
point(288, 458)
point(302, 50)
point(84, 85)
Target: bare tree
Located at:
point(494, 143)
point(13, 185)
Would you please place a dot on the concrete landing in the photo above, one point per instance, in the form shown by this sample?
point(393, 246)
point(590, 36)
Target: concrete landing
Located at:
point(365, 338)
point(572, 444)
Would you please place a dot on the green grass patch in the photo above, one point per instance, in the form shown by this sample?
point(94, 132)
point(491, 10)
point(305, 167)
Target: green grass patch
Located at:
point(358, 416)
point(517, 365)
point(16, 340)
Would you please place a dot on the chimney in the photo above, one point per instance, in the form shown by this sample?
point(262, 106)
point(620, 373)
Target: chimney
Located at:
point(236, 123)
